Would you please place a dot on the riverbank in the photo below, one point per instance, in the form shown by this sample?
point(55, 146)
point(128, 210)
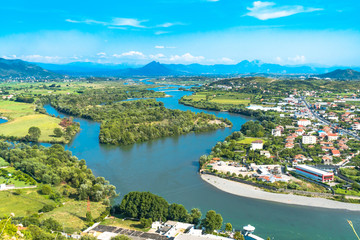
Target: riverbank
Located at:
point(248, 191)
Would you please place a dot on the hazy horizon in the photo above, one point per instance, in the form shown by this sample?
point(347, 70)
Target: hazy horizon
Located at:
point(208, 32)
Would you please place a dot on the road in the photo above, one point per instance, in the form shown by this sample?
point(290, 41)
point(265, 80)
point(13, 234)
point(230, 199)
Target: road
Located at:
point(326, 121)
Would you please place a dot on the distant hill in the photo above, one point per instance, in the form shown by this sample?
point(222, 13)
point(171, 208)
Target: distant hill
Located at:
point(346, 74)
point(157, 69)
point(151, 69)
point(18, 69)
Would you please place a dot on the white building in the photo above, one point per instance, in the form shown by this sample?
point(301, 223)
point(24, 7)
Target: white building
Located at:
point(309, 139)
point(304, 122)
point(332, 136)
point(257, 145)
point(356, 126)
point(276, 132)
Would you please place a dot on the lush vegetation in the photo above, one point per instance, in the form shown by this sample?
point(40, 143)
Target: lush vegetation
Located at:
point(132, 121)
point(56, 166)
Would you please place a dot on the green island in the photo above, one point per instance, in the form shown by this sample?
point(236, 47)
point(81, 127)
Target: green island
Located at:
point(132, 121)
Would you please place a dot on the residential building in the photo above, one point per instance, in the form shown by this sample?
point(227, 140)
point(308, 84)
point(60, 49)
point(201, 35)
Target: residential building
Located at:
point(332, 136)
point(304, 122)
point(257, 145)
point(308, 139)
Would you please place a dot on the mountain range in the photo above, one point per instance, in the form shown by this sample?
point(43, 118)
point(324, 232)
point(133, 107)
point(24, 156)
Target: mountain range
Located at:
point(158, 69)
point(21, 69)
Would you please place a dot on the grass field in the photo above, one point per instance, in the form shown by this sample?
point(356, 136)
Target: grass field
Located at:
point(231, 101)
point(12, 110)
point(129, 224)
point(72, 214)
point(221, 97)
point(25, 204)
point(20, 126)
point(249, 140)
point(22, 116)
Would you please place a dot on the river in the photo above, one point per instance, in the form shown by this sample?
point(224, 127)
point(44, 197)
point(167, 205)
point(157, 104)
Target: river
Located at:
point(169, 167)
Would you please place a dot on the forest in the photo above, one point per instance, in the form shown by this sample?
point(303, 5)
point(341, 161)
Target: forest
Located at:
point(56, 166)
point(128, 122)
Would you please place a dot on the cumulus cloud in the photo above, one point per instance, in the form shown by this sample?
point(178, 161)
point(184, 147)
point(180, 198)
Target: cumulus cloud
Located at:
point(297, 59)
point(187, 57)
point(158, 56)
point(269, 10)
point(131, 54)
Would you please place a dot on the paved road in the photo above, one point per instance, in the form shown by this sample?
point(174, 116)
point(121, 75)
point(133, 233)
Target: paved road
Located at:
point(326, 121)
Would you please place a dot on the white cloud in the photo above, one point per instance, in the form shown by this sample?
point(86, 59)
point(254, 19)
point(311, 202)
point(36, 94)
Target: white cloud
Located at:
point(159, 47)
point(227, 60)
point(161, 32)
point(268, 10)
point(297, 59)
point(159, 56)
point(132, 22)
point(115, 23)
point(36, 58)
point(187, 57)
point(131, 54)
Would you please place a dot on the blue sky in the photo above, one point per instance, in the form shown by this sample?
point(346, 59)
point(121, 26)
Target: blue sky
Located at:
point(322, 32)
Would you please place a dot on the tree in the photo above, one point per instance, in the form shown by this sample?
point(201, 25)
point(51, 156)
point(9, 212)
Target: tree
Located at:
point(238, 236)
point(89, 217)
point(195, 216)
point(51, 225)
point(45, 189)
point(228, 227)
point(212, 221)
point(34, 134)
point(58, 132)
point(146, 223)
point(143, 205)
point(177, 212)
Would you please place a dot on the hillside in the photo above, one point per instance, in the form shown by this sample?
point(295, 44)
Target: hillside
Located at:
point(18, 69)
point(151, 69)
point(347, 74)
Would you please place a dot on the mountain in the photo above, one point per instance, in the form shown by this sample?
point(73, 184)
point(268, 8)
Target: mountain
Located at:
point(21, 70)
point(342, 74)
point(244, 67)
point(151, 69)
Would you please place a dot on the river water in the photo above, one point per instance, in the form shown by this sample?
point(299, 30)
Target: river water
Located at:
point(169, 167)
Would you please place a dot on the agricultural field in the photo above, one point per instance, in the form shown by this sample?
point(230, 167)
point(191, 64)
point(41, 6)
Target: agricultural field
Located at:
point(22, 203)
point(221, 97)
point(26, 202)
point(120, 221)
point(22, 116)
point(249, 140)
point(73, 213)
